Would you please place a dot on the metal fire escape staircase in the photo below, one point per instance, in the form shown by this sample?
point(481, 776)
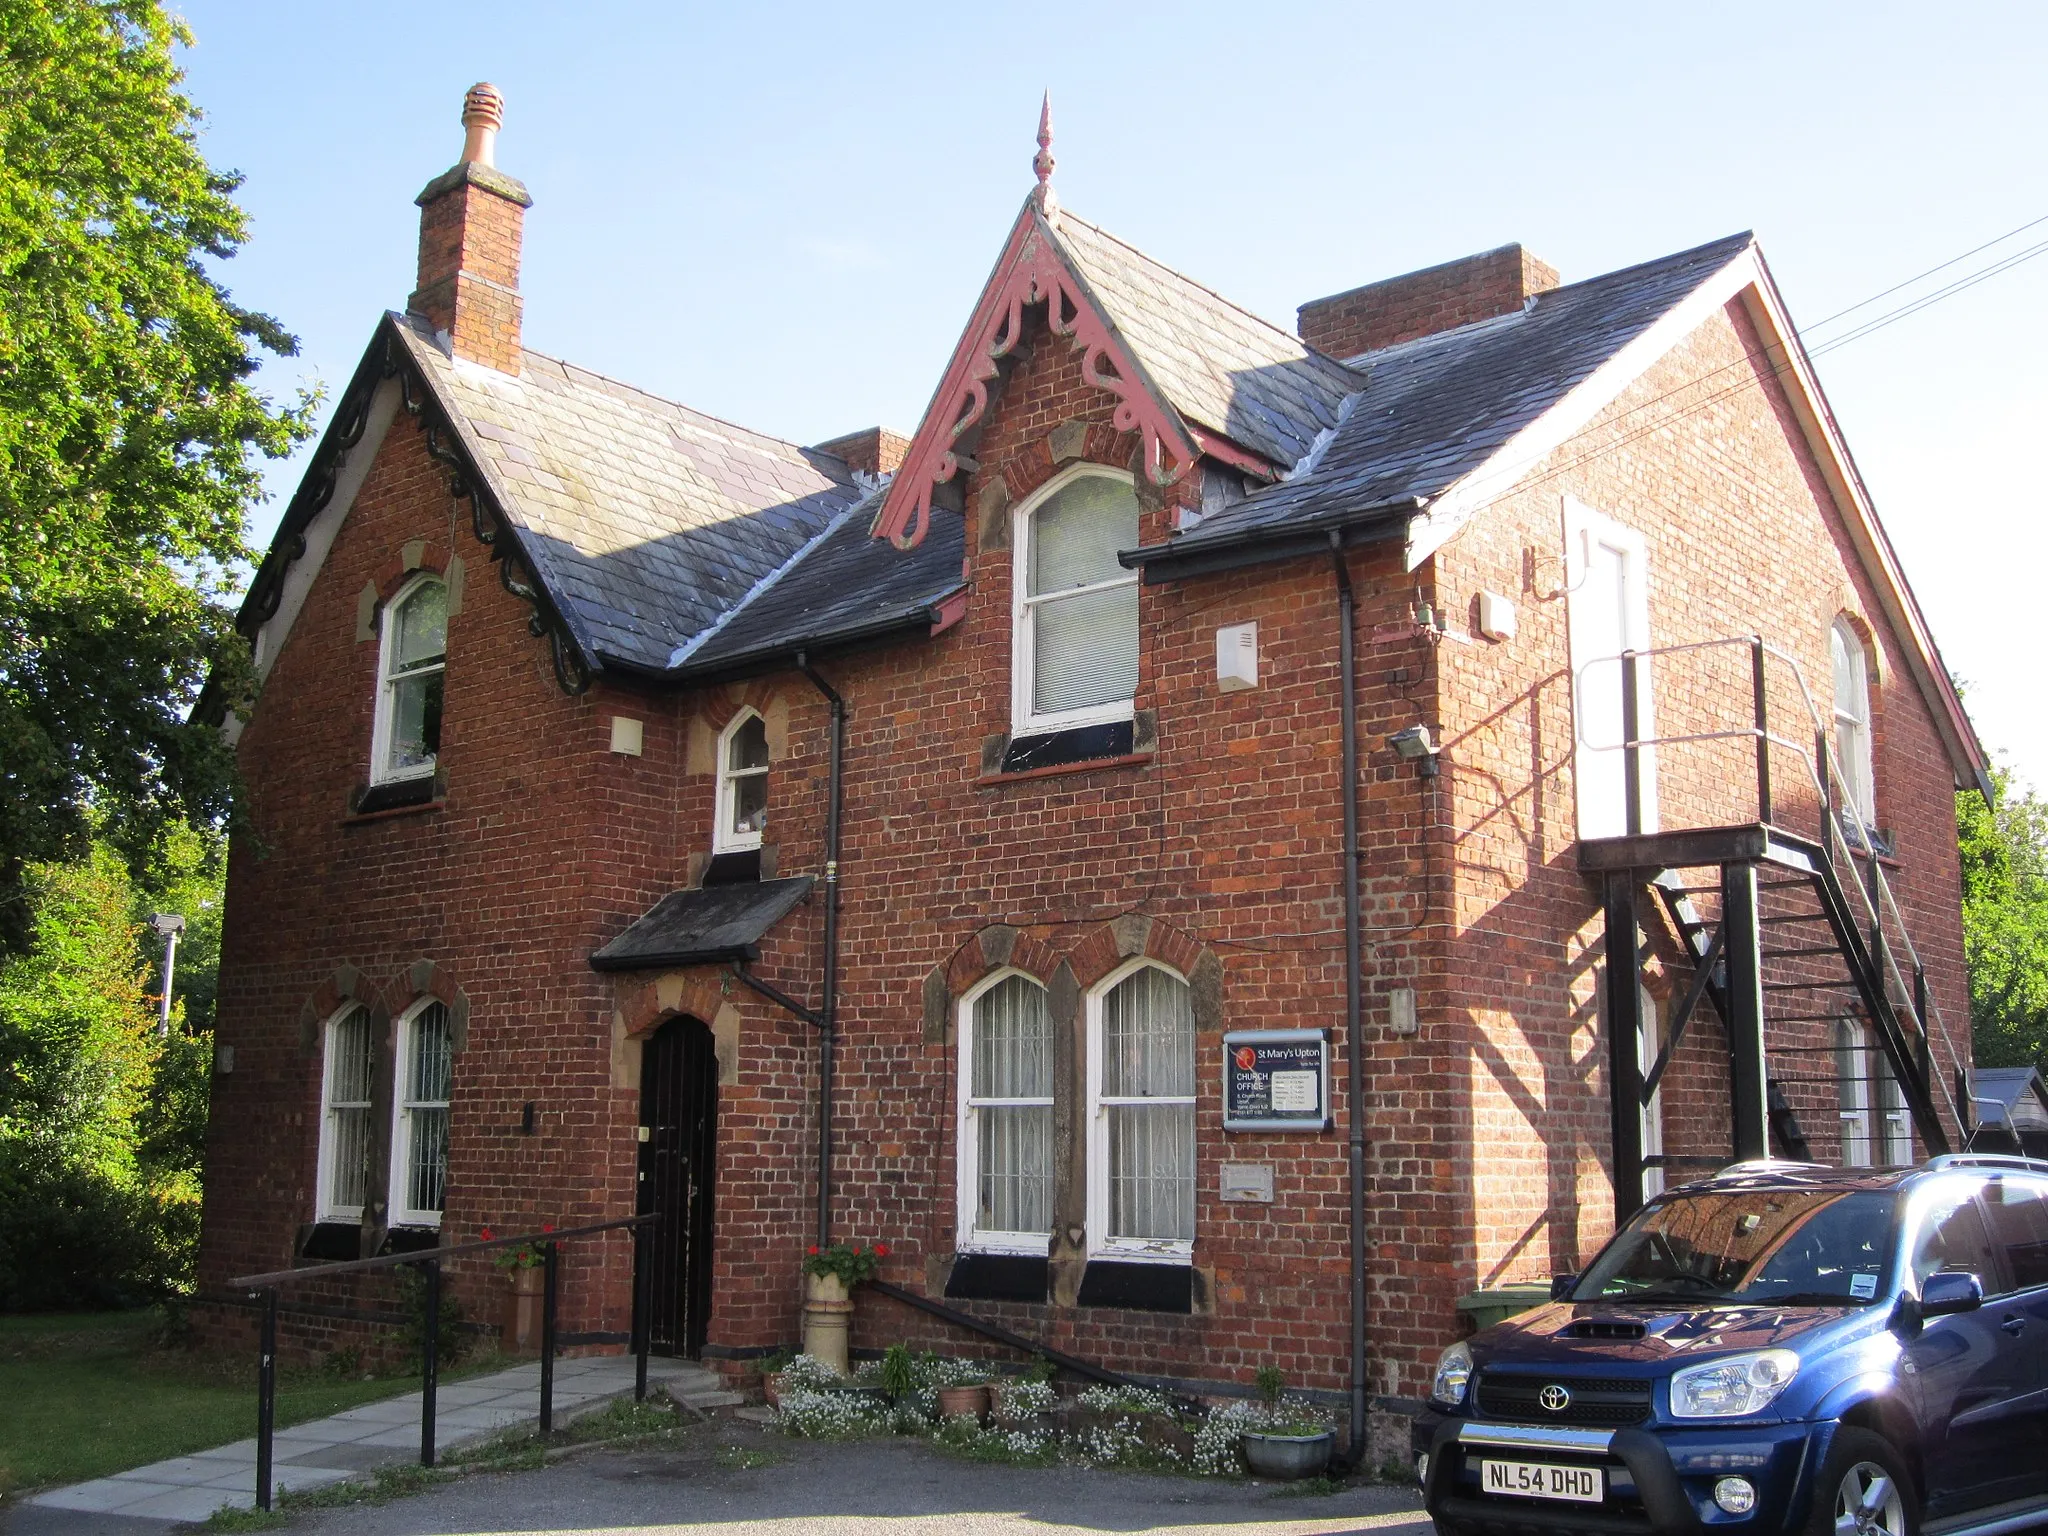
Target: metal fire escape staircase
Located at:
point(1789, 934)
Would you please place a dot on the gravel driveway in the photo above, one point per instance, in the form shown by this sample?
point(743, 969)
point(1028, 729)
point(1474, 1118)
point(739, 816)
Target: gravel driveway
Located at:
point(866, 1488)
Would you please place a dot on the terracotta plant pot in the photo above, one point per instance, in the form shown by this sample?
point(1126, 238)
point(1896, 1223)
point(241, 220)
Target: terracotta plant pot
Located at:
point(771, 1389)
point(1287, 1457)
point(962, 1402)
point(519, 1319)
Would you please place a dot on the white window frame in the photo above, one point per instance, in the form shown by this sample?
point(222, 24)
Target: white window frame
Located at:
point(1875, 1110)
point(402, 1107)
point(324, 1206)
point(381, 772)
point(724, 839)
point(1100, 1243)
point(1023, 663)
point(967, 1170)
point(1853, 756)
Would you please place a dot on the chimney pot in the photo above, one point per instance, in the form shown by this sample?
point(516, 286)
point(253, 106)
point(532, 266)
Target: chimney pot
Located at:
point(483, 114)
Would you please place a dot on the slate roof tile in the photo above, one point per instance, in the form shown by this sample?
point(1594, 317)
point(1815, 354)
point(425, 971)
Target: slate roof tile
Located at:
point(1217, 364)
point(1429, 411)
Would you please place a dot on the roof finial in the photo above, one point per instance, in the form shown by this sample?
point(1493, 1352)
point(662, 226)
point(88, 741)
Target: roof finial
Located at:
point(483, 113)
point(1047, 200)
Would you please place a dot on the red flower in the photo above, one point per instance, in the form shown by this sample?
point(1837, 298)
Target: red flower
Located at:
point(484, 1233)
point(881, 1250)
point(813, 1248)
point(547, 1226)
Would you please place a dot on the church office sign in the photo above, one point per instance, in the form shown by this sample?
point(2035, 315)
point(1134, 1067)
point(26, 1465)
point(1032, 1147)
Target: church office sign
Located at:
point(1276, 1080)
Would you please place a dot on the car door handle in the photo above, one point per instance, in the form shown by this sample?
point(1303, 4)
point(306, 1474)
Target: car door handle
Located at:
point(2014, 1325)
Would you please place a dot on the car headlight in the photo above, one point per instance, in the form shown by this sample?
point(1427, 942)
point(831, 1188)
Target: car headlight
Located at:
point(1732, 1388)
point(1453, 1373)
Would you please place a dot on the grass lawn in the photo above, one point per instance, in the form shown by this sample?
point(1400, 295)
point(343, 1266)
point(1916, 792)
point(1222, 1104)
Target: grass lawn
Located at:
point(87, 1394)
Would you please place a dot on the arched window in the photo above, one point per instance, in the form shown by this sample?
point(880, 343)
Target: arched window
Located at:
point(1006, 1093)
point(1075, 646)
point(348, 1065)
point(1141, 1115)
point(409, 671)
point(1852, 722)
point(419, 1132)
point(742, 784)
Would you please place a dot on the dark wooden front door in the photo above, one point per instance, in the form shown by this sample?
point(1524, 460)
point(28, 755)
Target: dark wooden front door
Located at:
point(678, 1140)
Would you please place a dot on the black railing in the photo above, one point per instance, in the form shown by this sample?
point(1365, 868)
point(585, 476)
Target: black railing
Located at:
point(1874, 922)
point(264, 1288)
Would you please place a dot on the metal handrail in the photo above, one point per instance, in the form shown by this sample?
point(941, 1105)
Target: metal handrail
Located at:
point(428, 1260)
point(1821, 770)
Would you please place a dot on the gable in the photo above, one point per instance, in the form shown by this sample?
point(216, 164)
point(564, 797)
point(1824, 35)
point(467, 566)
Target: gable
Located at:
point(1192, 374)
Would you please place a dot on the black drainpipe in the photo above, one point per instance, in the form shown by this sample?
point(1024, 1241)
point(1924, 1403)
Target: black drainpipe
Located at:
point(829, 1007)
point(1354, 1045)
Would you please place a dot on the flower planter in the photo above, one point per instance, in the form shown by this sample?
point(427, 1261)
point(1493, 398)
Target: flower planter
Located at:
point(1287, 1457)
point(964, 1402)
point(519, 1318)
point(828, 1320)
point(771, 1389)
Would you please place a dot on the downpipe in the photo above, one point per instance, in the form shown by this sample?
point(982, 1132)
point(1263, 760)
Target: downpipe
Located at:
point(1354, 983)
point(828, 1008)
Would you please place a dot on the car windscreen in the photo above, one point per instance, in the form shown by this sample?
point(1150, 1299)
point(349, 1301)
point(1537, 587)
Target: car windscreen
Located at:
point(1793, 1247)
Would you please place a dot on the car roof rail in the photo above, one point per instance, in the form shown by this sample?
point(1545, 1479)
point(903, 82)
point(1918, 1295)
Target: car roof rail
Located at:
point(1772, 1165)
point(1989, 1160)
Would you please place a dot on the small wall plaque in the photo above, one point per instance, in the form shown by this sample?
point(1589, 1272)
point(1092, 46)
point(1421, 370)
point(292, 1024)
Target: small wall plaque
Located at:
point(1251, 1182)
point(1276, 1080)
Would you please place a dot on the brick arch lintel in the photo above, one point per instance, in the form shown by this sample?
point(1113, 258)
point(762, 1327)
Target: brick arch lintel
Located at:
point(1135, 936)
point(644, 1004)
point(1101, 950)
point(346, 984)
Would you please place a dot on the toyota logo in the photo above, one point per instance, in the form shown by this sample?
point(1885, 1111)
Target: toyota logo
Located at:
point(1554, 1398)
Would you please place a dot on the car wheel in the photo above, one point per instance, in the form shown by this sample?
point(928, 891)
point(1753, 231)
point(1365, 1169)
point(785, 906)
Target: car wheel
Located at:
point(1863, 1490)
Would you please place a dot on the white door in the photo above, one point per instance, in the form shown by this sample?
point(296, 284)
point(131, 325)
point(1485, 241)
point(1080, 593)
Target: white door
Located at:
point(1607, 574)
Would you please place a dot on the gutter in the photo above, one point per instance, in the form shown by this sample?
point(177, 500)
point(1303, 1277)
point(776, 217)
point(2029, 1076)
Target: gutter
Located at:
point(1190, 556)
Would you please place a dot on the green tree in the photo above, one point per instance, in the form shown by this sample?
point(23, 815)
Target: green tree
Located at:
point(2004, 846)
point(99, 1116)
point(129, 438)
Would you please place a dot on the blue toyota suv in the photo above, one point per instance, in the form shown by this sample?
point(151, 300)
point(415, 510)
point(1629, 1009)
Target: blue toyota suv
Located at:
point(1781, 1348)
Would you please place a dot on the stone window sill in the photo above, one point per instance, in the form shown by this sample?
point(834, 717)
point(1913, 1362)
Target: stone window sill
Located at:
point(1092, 765)
point(392, 813)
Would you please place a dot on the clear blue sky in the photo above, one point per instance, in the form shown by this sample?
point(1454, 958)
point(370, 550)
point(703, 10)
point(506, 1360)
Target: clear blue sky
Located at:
point(782, 214)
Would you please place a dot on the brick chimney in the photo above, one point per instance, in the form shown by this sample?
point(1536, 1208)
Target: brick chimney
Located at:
point(874, 450)
point(471, 219)
point(1496, 282)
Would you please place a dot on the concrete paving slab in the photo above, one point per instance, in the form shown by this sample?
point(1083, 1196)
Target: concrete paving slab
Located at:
point(331, 1449)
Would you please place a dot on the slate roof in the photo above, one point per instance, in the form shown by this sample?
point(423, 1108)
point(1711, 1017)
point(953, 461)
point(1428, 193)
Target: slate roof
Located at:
point(2000, 1094)
point(649, 521)
point(1427, 412)
point(843, 587)
point(703, 927)
point(1215, 363)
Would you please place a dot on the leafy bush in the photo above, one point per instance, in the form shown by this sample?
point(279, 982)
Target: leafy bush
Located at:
point(71, 1238)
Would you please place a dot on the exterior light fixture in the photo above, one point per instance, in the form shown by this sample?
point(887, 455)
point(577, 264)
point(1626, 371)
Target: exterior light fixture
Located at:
point(168, 926)
point(1417, 746)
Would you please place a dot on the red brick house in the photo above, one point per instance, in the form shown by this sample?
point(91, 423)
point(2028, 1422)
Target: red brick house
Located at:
point(1150, 847)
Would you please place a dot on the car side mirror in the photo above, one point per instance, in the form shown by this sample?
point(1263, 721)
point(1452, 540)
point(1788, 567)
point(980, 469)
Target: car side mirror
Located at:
point(1951, 1292)
point(1561, 1287)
